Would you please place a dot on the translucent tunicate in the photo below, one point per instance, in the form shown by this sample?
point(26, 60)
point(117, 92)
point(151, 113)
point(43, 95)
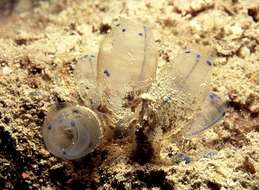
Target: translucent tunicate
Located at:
point(86, 78)
point(86, 68)
point(127, 61)
point(183, 95)
point(192, 75)
point(71, 132)
point(212, 111)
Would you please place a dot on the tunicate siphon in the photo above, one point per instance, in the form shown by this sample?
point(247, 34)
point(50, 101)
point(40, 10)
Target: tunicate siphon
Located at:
point(71, 132)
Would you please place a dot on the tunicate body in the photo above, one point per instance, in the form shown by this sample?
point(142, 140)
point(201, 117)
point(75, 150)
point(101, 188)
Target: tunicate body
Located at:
point(192, 71)
point(183, 94)
point(127, 61)
point(192, 74)
point(212, 110)
point(71, 132)
point(86, 78)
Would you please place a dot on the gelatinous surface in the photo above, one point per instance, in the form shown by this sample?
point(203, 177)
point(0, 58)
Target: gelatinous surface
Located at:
point(127, 60)
point(71, 132)
point(192, 72)
point(86, 78)
point(86, 69)
point(212, 110)
point(183, 99)
point(127, 56)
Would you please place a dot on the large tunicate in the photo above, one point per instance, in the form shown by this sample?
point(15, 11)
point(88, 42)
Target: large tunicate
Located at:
point(127, 61)
point(71, 132)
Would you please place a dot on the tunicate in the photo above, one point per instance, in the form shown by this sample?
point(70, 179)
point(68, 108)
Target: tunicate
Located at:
point(86, 78)
point(71, 132)
point(212, 111)
point(184, 100)
point(127, 61)
point(192, 72)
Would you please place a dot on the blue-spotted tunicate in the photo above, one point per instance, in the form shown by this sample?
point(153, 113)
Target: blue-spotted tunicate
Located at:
point(126, 63)
point(86, 79)
point(193, 71)
point(127, 58)
point(183, 95)
point(71, 132)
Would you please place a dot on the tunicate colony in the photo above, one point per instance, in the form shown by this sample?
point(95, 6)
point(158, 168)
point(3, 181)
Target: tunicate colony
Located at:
point(126, 63)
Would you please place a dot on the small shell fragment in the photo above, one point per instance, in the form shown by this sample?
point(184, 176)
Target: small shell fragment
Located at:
point(71, 132)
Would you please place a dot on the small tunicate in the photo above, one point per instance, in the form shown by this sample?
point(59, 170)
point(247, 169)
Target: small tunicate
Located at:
point(192, 72)
point(187, 81)
point(86, 79)
point(86, 68)
point(71, 132)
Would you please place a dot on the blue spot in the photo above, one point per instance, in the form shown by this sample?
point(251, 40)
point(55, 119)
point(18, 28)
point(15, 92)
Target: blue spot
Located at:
point(209, 62)
point(49, 127)
point(106, 72)
point(73, 124)
point(198, 56)
point(212, 96)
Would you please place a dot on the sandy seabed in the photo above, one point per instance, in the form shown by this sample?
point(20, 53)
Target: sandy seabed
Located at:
point(40, 42)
